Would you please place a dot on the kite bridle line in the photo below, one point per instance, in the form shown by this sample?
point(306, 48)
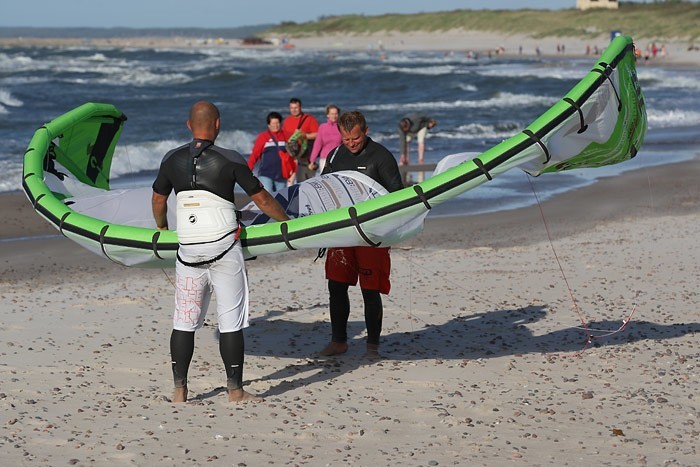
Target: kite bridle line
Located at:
point(168, 277)
point(584, 325)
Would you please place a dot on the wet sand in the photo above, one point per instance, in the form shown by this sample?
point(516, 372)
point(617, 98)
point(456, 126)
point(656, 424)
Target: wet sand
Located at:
point(481, 342)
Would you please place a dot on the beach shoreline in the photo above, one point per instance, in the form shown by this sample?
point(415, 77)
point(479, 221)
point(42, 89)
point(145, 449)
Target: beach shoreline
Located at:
point(480, 43)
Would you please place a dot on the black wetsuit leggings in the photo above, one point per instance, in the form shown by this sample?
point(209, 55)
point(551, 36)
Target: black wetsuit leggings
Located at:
point(231, 346)
point(340, 312)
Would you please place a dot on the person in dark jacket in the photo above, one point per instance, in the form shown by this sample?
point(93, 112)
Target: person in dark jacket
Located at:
point(266, 154)
point(371, 265)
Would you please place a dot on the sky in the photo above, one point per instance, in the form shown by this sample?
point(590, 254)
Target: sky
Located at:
point(228, 13)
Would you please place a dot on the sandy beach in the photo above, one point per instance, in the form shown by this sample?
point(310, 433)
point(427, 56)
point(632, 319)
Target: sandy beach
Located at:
point(481, 346)
point(676, 52)
point(495, 44)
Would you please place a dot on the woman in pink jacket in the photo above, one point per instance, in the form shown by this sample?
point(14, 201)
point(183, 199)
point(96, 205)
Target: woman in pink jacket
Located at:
point(327, 139)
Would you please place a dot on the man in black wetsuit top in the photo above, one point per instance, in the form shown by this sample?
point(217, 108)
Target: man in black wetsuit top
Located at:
point(203, 176)
point(371, 264)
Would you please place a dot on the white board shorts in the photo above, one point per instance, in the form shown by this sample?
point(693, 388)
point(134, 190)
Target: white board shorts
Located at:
point(420, 135)
point(194, 286)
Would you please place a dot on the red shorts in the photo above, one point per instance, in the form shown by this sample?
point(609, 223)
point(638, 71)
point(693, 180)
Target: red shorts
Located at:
point(371, 265)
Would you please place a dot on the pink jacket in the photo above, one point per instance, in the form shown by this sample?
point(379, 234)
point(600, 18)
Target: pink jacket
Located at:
point(327, 139)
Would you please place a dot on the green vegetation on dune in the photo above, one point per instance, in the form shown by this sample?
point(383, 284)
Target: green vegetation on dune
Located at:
point(662, 20)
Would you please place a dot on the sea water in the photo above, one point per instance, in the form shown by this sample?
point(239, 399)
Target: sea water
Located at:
point(477, 102)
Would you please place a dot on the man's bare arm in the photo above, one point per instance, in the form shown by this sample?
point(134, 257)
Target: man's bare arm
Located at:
point(269, 205)
point(159, 204)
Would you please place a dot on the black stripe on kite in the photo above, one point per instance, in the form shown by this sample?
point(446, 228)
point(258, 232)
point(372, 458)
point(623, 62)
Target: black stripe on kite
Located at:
point(534, 137)
point(356, 222)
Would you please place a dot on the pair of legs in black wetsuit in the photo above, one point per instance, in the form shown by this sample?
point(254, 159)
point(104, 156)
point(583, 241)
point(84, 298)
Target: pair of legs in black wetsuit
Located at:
point(340, 312)
point(231, 345)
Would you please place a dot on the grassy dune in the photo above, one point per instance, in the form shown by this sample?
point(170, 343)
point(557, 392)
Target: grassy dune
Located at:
point(667, 20)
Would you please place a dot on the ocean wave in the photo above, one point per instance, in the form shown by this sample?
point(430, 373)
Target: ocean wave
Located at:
point(110, 71)
point(435, 70)
point(79, 68)
point(139, 157)
point(140, 77)
point(672, 118)
point(208, 64)
point(24, 80)
point(526, 70)
point(690, 83)
point(117, 72)
point(497, 131)
point(651, 79)
point(649, 75)
point(413, 59)
point(11, 176)
point(7, 99)
point(257, 55)
point(500, 100)
point(239, 140)
point(472, 135)
point(98, 57)
point(222, 75)
point(467, 87)
point(13, 63)
point(143, 157)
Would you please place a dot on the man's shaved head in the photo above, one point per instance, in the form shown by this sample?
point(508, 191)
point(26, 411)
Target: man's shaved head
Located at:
point(203, 117)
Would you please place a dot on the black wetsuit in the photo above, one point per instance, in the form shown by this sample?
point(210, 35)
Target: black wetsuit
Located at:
point(212, 168)
point(374, 160)
point(201, 165)
point(378, 163)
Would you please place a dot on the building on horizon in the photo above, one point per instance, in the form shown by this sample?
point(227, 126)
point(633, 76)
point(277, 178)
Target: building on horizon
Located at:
point(589, 4)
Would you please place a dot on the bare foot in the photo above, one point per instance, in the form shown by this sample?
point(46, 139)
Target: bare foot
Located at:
point(334, 348)
point(180, 394)
point(239, 395)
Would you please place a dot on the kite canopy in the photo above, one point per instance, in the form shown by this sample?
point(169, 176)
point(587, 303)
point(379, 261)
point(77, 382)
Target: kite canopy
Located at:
point(601, 121)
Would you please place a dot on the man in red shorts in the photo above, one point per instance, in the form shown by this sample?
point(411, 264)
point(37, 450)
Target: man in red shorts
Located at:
point(370, 264)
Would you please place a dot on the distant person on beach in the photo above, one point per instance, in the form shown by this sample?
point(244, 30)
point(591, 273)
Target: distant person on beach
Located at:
point(327, 138)
point(371, 265)
point(274, 164)
point(301, 129)
point(413, 126)
point(209, 255)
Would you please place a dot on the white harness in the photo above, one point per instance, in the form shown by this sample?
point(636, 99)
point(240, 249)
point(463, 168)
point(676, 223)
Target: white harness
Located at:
point(203, 217)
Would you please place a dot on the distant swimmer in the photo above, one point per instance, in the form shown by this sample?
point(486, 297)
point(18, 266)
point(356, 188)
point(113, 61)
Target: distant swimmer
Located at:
point(413, 126)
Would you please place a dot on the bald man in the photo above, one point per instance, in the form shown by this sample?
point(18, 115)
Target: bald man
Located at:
point(203, 176)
